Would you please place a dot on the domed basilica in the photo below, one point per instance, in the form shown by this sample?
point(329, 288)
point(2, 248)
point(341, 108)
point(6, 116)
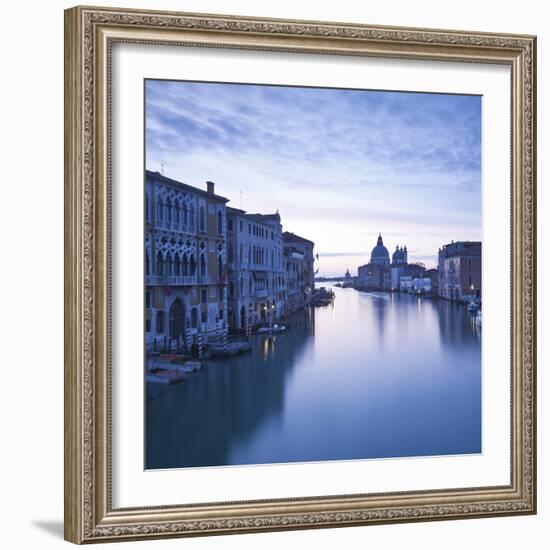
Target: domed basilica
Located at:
point(380, 254)
point(377, 274)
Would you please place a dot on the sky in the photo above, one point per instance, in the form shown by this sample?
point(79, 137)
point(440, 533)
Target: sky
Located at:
point(340, 166)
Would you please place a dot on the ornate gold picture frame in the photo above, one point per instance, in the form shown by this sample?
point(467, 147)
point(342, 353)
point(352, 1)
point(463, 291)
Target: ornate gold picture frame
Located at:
point(90, 34)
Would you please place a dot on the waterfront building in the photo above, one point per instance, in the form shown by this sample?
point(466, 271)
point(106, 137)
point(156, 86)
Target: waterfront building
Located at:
point(294, 242)
point(298, 269)
point(256, 281)
point(399, 257)
point(433, 274)
point(185, 262)
point(398, 266)
point(414, 270)
point(459, 266)
point(422, 285)
point(377, 273)
point(347, 276)
point(406, 283)
point(380, 274)
point(379, 255)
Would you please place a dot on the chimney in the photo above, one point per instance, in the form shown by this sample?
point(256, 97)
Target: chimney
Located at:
point(210, 187)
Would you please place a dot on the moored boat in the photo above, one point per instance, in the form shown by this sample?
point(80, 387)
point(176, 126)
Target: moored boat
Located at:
point(322, 297)
point(273, 330)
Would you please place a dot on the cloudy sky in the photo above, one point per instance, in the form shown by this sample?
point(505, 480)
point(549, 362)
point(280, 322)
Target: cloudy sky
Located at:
point(340, 166)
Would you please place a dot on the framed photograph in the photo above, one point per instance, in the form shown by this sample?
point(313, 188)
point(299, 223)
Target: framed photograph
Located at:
point(300, 274)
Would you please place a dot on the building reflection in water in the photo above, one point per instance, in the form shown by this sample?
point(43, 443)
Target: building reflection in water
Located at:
point(197, 422)
point(373, 375)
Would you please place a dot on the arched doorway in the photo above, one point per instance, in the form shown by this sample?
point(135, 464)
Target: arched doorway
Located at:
point(176, 319)
point(243, 318)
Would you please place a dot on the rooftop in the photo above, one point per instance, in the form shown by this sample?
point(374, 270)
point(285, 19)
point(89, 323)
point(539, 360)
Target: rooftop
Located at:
point(232, 210)
point(293, 238)
point(266, 217)
point(463, 248)
point(185, 186)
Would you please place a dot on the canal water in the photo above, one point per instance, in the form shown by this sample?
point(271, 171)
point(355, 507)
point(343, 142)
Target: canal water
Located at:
point(375, 375)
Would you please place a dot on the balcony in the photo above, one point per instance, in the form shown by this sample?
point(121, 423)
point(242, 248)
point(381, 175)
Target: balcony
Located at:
point(155, 280)
point(261, 293)
point(170, 280)
point(296, 255)
point(172, 226)
point(204, 280)
point(181, 280)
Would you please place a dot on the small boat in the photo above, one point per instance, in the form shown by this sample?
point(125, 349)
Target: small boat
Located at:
point(322, 297)
point(273, 330)
point(472, 307)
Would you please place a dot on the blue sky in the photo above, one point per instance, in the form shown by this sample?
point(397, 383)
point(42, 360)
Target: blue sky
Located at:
point(340, 166)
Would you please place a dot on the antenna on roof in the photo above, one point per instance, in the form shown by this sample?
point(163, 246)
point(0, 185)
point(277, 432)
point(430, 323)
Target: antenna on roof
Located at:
point(162, 168)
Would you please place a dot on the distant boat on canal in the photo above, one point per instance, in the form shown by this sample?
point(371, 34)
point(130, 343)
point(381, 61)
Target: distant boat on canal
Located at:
point(322, 297)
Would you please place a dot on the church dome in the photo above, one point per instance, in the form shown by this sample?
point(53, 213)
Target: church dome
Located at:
point(398, 255)
point(380, 253)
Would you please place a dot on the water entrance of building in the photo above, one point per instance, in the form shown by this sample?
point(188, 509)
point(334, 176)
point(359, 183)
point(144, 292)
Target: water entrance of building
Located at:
point(176, 319)
point(243, 317)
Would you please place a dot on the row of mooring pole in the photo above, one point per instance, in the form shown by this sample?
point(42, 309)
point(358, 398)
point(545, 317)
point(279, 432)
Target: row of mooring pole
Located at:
point(188, 340)
point(199, 343)
point(249, 325)
point(222, 334)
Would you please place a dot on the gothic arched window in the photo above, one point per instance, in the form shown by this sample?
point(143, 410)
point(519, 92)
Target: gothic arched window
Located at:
point(177, 265)
point(185, 265)
point(203, 266)
point(168, 264)
point(160, 322)
point(202, 219)
point(192, 265)
point(160, 265)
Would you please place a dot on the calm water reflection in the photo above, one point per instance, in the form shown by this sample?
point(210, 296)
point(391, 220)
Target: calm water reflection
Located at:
point(375, 375)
